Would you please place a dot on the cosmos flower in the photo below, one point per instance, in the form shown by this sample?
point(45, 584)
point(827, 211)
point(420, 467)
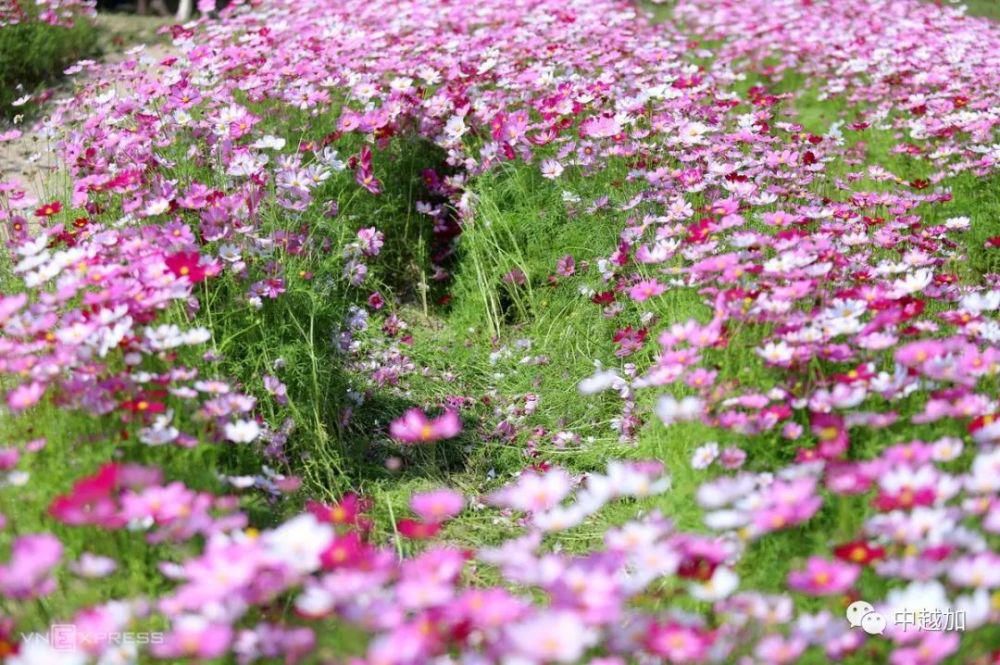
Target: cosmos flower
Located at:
point(822, 577)
point(415, 427)
point(437, 505)
point(646, 289)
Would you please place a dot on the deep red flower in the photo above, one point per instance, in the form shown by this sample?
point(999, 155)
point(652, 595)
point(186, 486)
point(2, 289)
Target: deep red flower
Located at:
point(862, 372)
point(859, 552)
point(603, 298)
point(145, 403)
point(697, 567)
point(186, 264)
point(49, 209)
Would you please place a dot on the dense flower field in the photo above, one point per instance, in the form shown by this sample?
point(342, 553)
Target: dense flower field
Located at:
point(515, 332)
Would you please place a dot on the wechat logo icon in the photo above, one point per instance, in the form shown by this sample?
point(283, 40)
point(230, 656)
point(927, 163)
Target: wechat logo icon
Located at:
point(861, 613)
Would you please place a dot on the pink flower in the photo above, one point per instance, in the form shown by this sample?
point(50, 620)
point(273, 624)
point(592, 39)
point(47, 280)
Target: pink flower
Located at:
point(934, 647)
point(551, 636)
point(600, 127)
point(832, 434)
point(194, 636)
point(9, 305)
point(437, 505)
point(678, 643)
point(32, 558)
point(25, 395)
point(778, 650)
point(823, 577)
point(646, 289)
point(566, 266)
point(415, 427)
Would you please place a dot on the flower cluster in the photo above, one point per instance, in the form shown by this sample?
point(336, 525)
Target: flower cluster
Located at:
point(52, 12)
point(795, 319)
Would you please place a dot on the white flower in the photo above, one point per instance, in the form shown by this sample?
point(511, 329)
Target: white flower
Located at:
point(157, 207)
point(242, 431)
point(212, 386)
point(560, 518)
point(946, 449)
point(32, 247)
point(119, 654)
point(600, 381)
point(913, 282)
point(163, 337)
point(725, 520)
point(981, 570)
point(330, 157)
point(776, 353)
point(692, 133)
point(268, 142)
point(160, 432)
point(671, 411)
point(299, 542)
point(35, 650)
point(704, 455)
point(722, 583)
point(976, 608)
point(551, 169)
point(454, 128)
point(401, 83)
point(314, 601)
point(981, 302)
point(246, 164)
point(627, 480)
point(230, 253)
point(914, 598)
point(197, 336)
point(93, 565)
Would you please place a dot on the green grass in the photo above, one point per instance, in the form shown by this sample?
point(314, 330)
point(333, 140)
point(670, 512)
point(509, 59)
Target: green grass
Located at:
point(33, 54)
point(987, 8)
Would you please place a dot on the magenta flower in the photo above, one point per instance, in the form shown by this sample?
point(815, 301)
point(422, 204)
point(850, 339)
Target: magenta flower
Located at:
point(415, 427)
point(832, 434)
point(823, 577)
point(646, 289)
